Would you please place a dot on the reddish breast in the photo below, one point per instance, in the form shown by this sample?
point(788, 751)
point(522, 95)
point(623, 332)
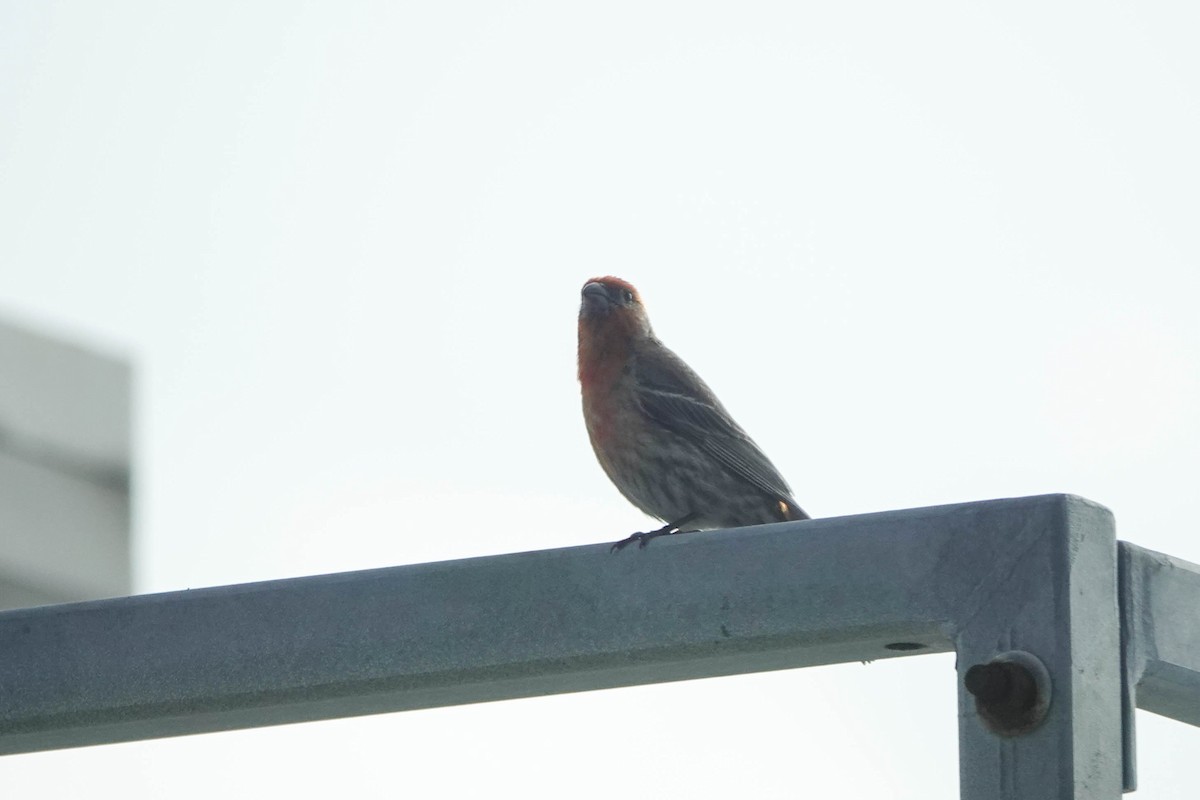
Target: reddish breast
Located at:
point(605, 347)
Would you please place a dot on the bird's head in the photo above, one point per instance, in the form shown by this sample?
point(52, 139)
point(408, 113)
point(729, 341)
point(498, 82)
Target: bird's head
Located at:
point(613, 304)
point(612, 320)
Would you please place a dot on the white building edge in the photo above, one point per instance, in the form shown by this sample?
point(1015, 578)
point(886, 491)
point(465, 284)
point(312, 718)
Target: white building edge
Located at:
point(64, 470)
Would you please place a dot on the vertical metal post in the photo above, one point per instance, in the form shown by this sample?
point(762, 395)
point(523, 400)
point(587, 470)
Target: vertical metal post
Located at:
point(1059, 608)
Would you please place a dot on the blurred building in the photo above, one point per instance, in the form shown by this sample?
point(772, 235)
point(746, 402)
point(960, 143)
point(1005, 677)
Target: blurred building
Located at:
point(64, 471)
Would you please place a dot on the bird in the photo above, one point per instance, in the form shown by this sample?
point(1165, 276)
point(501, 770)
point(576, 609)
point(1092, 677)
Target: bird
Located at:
point(660, 433)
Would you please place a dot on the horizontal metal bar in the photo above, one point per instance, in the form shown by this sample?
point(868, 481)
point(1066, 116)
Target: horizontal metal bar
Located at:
point(465, 631)
point(1161, 622)
point(972, 576)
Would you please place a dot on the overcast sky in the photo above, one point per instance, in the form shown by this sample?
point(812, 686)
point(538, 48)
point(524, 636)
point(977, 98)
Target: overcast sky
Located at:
point(925, 253)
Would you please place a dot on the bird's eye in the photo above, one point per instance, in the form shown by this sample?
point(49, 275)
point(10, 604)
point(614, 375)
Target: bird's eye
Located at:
point(628, 296)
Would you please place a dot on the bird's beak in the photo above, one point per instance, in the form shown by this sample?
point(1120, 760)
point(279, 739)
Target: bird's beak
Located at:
point(595, 298)
point(596, 290)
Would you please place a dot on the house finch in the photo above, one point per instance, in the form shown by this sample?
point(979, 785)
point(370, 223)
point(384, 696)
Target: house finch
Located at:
point(660, 433)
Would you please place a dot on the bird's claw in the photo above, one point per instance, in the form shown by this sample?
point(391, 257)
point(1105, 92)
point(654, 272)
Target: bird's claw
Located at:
point(640, 538)
point(644, 538)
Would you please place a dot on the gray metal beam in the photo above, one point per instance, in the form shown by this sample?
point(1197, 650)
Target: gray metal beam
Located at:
point(980, 577)
point(1161, 608)
point(1160, 626)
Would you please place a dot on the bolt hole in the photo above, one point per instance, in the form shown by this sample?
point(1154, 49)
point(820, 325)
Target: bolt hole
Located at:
point(904, 646)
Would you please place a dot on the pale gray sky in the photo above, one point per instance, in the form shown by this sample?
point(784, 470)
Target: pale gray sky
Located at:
point(925, 253)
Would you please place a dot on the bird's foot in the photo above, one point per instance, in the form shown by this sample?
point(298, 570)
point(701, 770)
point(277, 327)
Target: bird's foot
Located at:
point(642, 539)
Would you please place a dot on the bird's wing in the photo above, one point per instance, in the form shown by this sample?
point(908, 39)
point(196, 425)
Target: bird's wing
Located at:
point(675, 397)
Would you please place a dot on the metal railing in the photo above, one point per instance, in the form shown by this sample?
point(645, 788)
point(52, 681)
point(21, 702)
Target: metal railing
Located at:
point(1054, 652)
